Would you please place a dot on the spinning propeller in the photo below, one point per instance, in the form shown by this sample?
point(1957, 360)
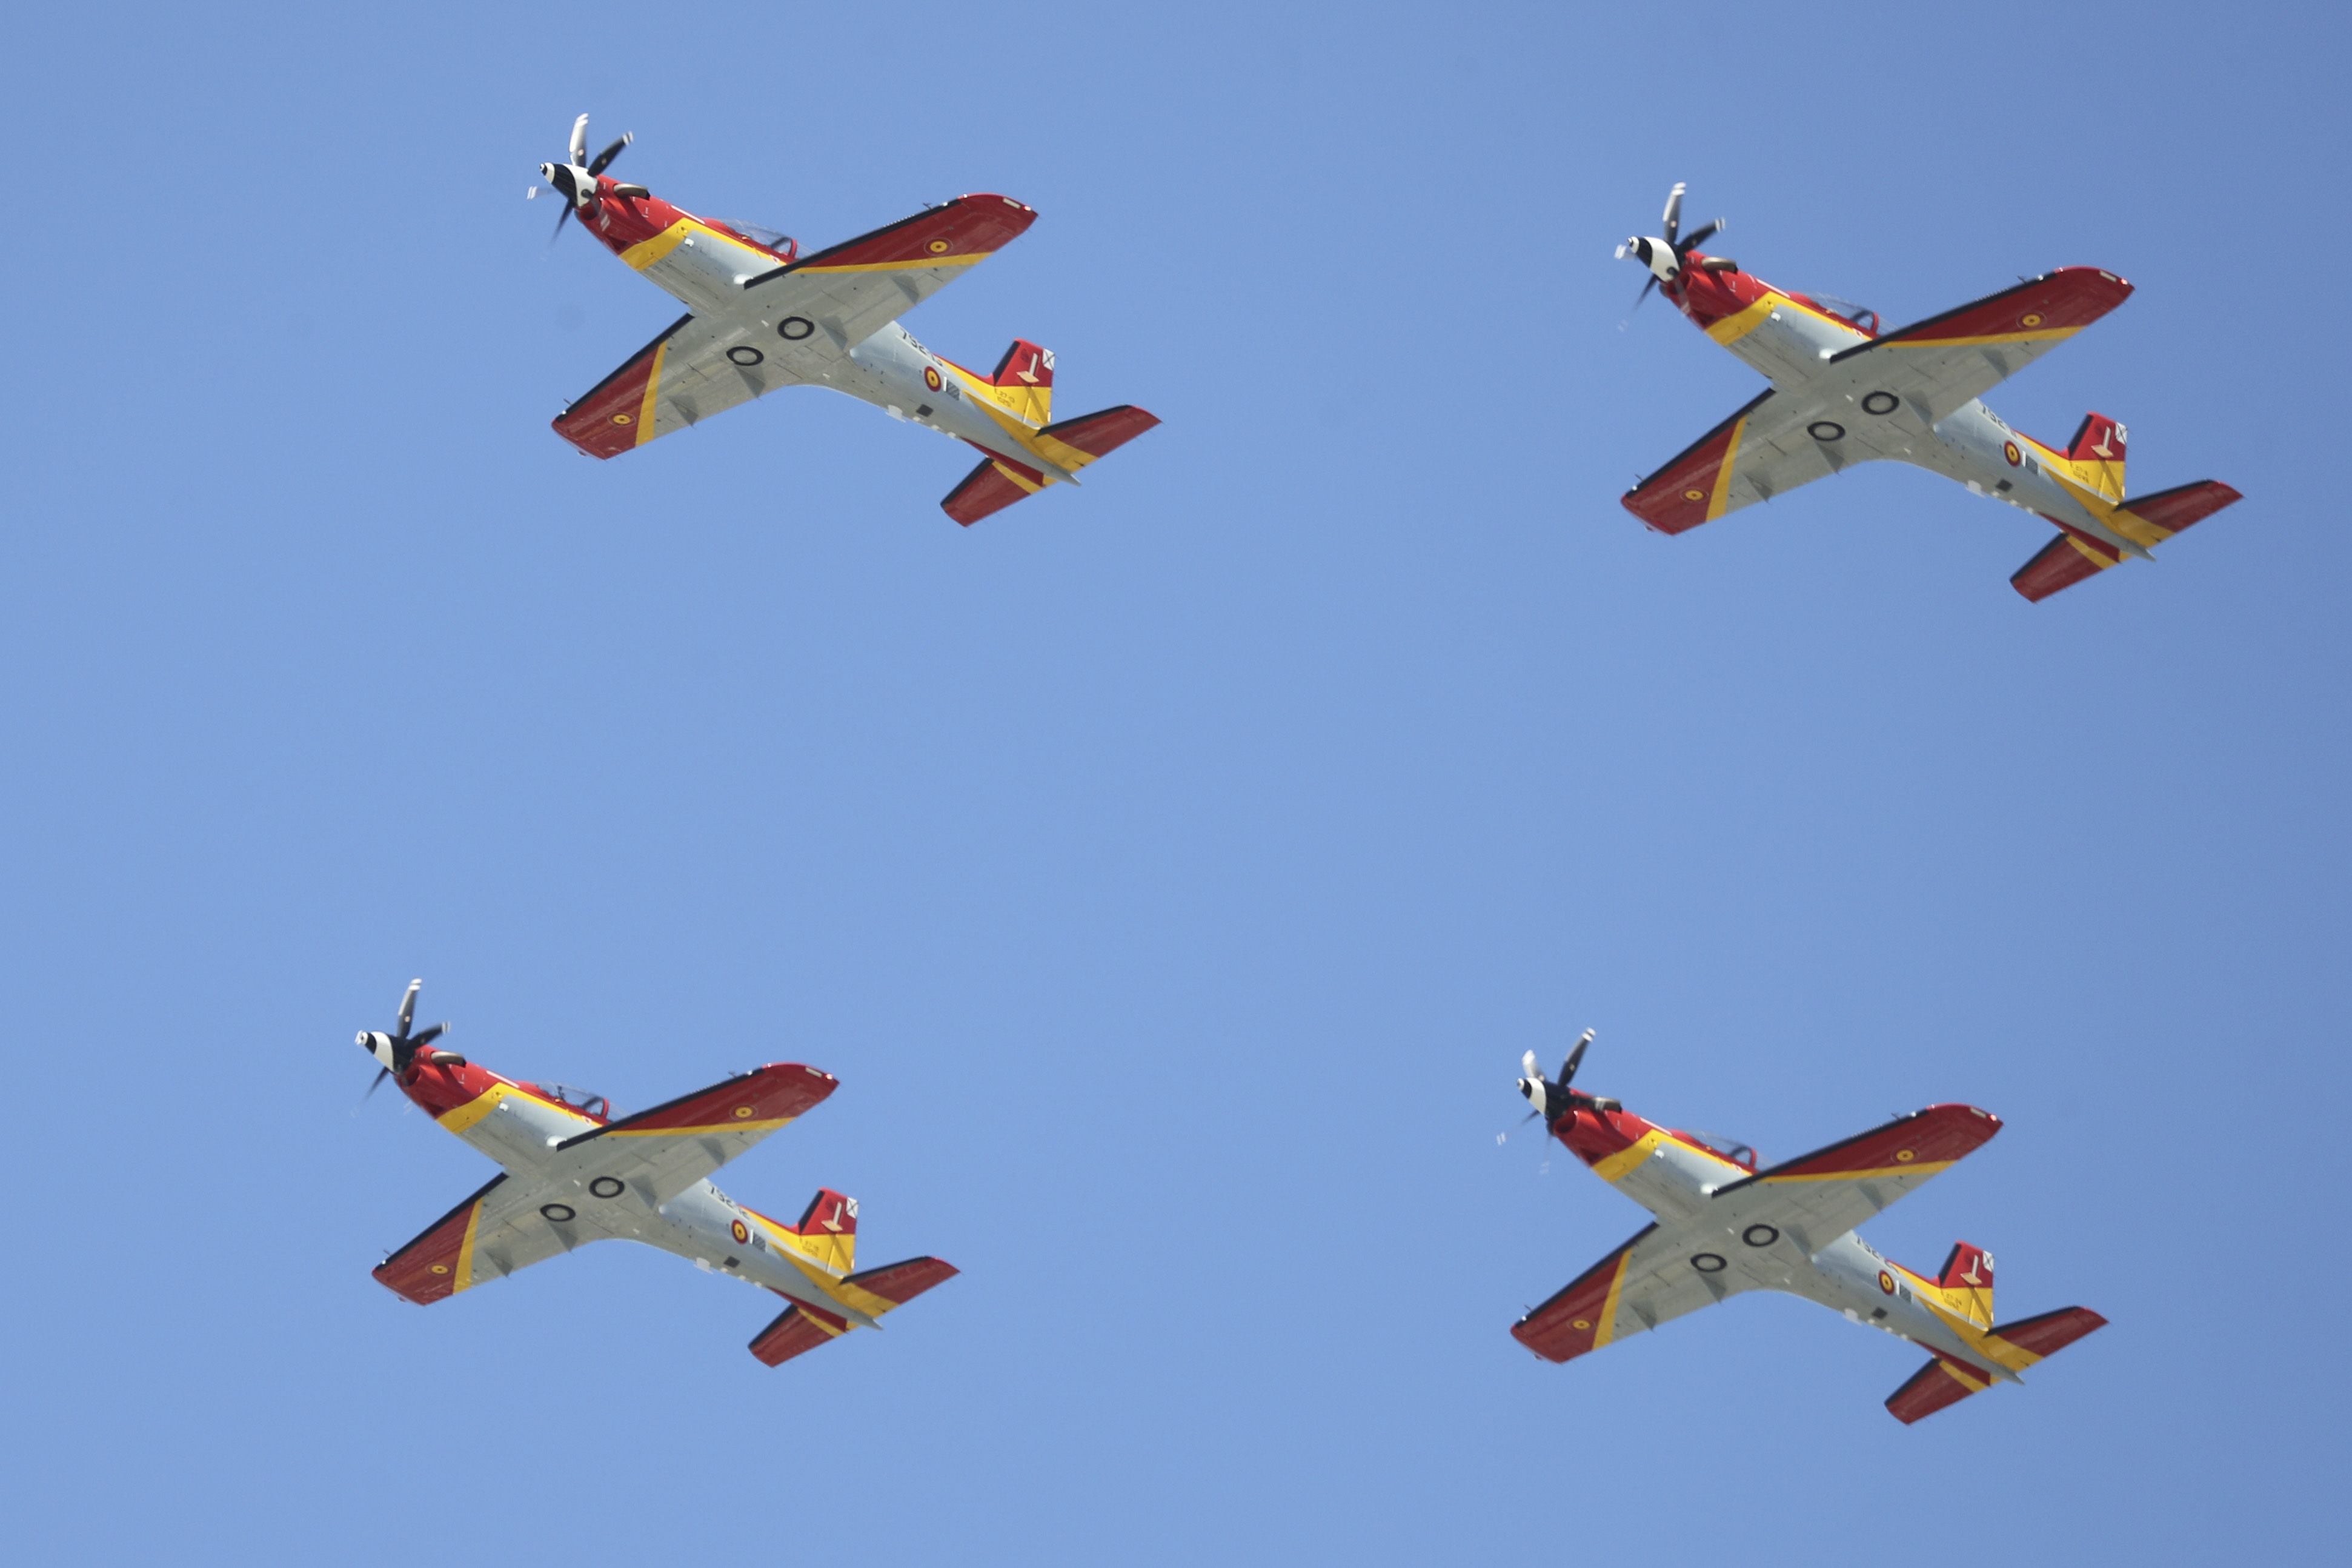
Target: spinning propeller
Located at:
point(397, 1052)
point(575, 180)
point(1553, 1099)
point(1664, 257)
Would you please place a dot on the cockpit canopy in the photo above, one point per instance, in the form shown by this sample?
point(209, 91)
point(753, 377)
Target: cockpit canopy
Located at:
point(580, 1099)
point(1862, 316)
point(1731, 1149)
point(759, 234)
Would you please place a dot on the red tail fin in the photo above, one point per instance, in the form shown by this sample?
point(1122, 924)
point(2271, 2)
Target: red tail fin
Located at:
point(1024, 364)
point(2098, 440)
point(828, 1214)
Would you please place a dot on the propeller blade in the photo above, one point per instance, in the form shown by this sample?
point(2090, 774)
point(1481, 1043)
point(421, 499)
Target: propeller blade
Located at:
point(381, 1074)
point(1643, 294)
point(1699, 236)
point(431, 1034)
point(605, 159)
point(580, 143)
point(1527, 1067)
point(1674, 204)
point(1575, 1058)
point(558, 232)
point(408, 1008)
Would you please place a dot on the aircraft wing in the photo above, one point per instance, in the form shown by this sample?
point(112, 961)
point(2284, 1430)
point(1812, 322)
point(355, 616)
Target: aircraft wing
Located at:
point(508, 1225)
point(660, 1153)
point(1938, 366)
point(700, 365)
point(1643, 1283)
point(1875, 400)
point(831, 302)
point(1815, 1198)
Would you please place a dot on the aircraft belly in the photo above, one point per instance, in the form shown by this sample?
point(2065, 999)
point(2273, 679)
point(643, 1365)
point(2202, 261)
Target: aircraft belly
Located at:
point(1672, 1183)
point(887, 369)
point(1790, 346)
point(699, 1226)
point(705, 272)
point(517, 1131)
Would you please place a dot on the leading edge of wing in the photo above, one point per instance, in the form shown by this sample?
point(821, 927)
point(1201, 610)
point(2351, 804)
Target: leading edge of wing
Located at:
point(761, 1100)
point(1918, 1144)
point(2053, 306)
point(968, 229)
point(409, 1274)
point(1581, 1316)
point(1693, 486)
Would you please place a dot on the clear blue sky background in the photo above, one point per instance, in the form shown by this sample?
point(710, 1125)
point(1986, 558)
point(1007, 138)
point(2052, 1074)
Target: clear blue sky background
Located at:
point(1171, 871)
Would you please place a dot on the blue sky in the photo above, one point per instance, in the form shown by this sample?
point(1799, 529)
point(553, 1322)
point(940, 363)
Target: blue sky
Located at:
point(1172, 871)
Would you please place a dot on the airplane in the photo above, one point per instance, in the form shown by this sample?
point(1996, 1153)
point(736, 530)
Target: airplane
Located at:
point(1726, 1226)
point(577, 1172)
point(760, 315)
point(1844, 391)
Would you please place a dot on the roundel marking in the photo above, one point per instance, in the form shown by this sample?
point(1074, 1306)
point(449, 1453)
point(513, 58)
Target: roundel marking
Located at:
point(931, 377)
point(1880, 403)
point(440, 1269)
point(1826, 430)
point(2031, 319)
point(1580, 1324)
point(621, 419)
point(1694, 495)
point(1707, 1262)
point(1760, 1235)
point(556, 1212)
point(792, 328)
point(1886, 1282)
point(1903, 1156)
point(744, 353)
point(742, 1113)
point(940, 247)
point(2009, 450)
point(605, 1186)
point(740, 1231)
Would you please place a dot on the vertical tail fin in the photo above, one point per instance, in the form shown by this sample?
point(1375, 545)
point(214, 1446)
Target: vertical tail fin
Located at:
point(826, 1232)
point(1023, 381)
point(1967, 1282)
point(2097, 453)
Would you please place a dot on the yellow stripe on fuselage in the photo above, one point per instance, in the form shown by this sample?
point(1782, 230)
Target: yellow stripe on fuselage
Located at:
point(482, 1104)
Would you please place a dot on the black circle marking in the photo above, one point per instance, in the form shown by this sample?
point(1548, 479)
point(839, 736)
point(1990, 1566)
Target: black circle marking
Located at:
point(1760, 1235)
point(556, 1212)
point(792, 328)
point(1826, 430)
point(744, 353)
point(605, 1186)
point(1880, 403)
point(1707, 1262)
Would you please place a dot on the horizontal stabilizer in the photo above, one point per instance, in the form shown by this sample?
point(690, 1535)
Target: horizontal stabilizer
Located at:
point(1944, 1381)
point(2148, 520)
point(989, 488)
point(1093, 436)
point(896, 1284)
point(797, 1331)
point(1938, 1385)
